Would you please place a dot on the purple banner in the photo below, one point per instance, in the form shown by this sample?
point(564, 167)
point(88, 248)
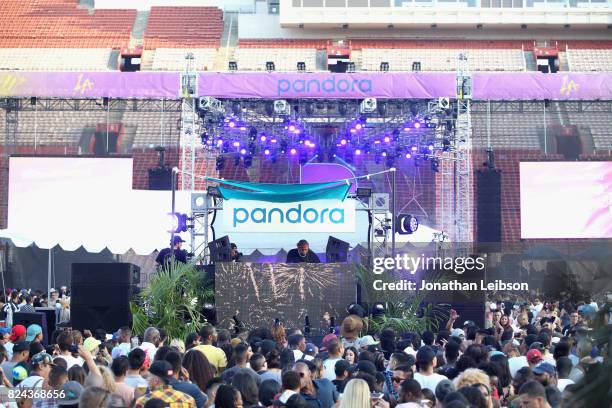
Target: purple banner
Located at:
point(90, 84)
point(277, 85)
point(538, 86)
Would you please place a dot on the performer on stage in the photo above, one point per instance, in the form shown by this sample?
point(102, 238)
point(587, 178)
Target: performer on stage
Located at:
point(179, 254)
point(302, 254)
point(235, 255)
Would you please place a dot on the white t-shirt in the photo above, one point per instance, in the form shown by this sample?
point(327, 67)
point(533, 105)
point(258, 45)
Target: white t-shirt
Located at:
point(149, 349)
point(122, 349)
point(299, 355)
point(72, 361)
point(516, 363)
point(563, 382)
point(429, 381)
point(330, 368)
point(33, 381)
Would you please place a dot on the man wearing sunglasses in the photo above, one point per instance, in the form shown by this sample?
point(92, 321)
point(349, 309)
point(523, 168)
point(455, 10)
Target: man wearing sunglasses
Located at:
point(319, 393)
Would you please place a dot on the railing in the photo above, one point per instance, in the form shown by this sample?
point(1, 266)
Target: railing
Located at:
point(440, 3)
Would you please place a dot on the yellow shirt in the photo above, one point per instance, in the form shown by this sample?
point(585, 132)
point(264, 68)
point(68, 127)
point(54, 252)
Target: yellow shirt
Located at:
point(215, 355)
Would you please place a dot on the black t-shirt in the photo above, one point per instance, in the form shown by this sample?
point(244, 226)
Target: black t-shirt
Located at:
point(166, 253)
point(294, 256)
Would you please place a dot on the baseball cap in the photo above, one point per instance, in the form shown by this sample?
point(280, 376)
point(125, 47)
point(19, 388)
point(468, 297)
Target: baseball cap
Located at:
point(17, 331)
point(21, 346)
point(71, 393)
point(538, 346)
point(534, 355)
point(328, 339)
point(177, 239)
point(20, 373)
point(310, 348)
point(4, 330)
point(91, 344)
point(367, 367)
point(458, 333)
point(33, 331)
point(545, 368)
point(469, 323)
point(367, 341)
point(42, 358)
point(161, 369)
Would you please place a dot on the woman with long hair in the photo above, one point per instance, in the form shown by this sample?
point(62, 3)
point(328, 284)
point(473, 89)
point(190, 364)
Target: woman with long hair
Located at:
point(228, 397)
point(246, 385)
point(351, 355)
point(356, 394)
point(199, 369)
point(279, 335)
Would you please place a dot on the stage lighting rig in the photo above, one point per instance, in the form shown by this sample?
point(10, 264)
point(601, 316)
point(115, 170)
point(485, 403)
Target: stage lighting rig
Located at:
point(384, 66)
point(301, 66)
point(177, 222)
point(282, 107)
point(406, 224)
point(210, 104)
point(233, 66)
point(270, 66)
point(368, 105)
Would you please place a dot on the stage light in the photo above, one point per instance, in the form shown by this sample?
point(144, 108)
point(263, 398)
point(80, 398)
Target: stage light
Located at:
point(306, 142)
point(312, 145)
point(353, 130)
point(267, 152)
point(387, 139)
point(406, 224)
point(408, 155)
point(384, 153)
point(384, 66)
point(177, 222)
point(219, 163)
point(219, 142)
point(273, 141)
point(262, 138)
point(417, 125)
point(435, 165)
point(350, 67)
point(310, 108)
point(236, 144)
point(406, 129)
point(231, 124)
point(236, 108)
point(430, 147)
point(270, 66)
point(291, 128)
point(297, 131)
point(342, 108)
point(252, 134)
point(358, 126)
point(416, 66)
point(301, 66)
point(214, 191)
point(243, 151)
point(293, 151)
point(414, 148)
point(368, 105)
point(233, 66)
point(243, 128)
point(343, 142)
point(358, 152)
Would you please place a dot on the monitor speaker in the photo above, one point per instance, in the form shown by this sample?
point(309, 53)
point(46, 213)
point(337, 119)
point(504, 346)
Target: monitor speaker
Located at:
point(160, 178)
point(220, 250)
point(336, 250)
point(101, 295)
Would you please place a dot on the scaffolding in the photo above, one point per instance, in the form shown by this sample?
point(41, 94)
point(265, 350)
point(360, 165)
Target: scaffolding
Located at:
point(189, 123)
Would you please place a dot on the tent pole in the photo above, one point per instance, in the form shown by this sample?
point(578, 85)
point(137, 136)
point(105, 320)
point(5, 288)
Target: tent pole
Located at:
point(49, 266)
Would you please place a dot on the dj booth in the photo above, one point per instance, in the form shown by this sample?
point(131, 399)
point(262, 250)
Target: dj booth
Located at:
point(259, 293)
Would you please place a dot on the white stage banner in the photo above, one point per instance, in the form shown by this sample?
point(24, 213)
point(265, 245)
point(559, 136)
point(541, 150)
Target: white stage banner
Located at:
point(329, 216)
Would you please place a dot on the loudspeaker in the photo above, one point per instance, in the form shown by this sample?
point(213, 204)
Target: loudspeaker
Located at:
point(488, 208)
point(50, 316)
point(105, 143)
point(220, 250)
point(336, 250)
point(101, 294)
point(40, 319)
point(160, 178)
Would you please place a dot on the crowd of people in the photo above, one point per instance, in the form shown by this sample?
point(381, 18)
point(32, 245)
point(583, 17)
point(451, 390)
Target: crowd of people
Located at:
point(534, 354)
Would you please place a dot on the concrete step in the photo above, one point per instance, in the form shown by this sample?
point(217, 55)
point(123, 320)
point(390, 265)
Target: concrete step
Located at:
point(140, 24)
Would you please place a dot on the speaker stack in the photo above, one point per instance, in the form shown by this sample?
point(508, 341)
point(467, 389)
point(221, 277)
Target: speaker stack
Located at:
point(101, 294)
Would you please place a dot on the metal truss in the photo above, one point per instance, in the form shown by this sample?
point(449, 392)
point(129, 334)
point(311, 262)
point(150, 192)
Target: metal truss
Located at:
point(88, 105)
point(11, 123)
point(190, 127)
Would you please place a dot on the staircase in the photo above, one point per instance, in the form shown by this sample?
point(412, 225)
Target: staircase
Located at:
point(140, 24)
point(530, 61)
point(229, 41)
point(563, 61)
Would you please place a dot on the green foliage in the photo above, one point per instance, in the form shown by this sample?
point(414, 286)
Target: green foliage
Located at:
point(173, 301)
point(404, 310)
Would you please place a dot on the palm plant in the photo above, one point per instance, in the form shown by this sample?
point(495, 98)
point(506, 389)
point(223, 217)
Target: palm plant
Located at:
point(404, 311)
point(173, 301)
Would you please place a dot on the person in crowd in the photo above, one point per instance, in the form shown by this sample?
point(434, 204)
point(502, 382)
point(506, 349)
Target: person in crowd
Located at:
point(180, 380)
point(351, 327)
point(258, 363)
point(70, 395)
point(356, 395)
point(273, 367)
point(34, 334)
point(426, 362)
point(137, 361)
point(67, 349)
point(247, 387)
point(267, 391)
point(290, 395)
point(21, 352)
point(574, 321)
point(319, 393)
point(124, 337)
point(10, 308)
point(564, 367)
point(410, 394)
point(120, 367)
point(94, 396)
point(18, 333)
point(302, 254)
point(26, 306)
point(211, 391)
point(58, 376)
point(297, 343)
point(443, 388)
point(235, 255)
point(341, 370)
point(192, 340)
point(198, 368)
point(228, 397)
point(241, 358)
point(335, 351)
point(160, 375)
point(532, 394)
point(350, 355)
point(41, 365)
point(279, 335)
point(215, 355)
point(165, 254)
point(150, 342)
point(77, 373)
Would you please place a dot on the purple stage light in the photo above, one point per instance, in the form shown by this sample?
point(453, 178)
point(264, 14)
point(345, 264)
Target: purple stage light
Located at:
point(209, 142)
point(273, 141)
point(353, 130)
point(263, 138)
point(267, 152)
point(243, 128)
point(408, 155)
point(430, 147)
point(297, 131)
point(357, 152)
point(306, 142)
point(231, 124)
point(406, 129)
point(293, 150)
point(414, 148)
point(384, 154)
point(220, 142)
point(243, 151)
point(377, 142)
point(236, 144)
point(291, 128)
point(311, 145)
point(417, 125)
point(358, 126)
point(387, 139)
point(343, 142)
